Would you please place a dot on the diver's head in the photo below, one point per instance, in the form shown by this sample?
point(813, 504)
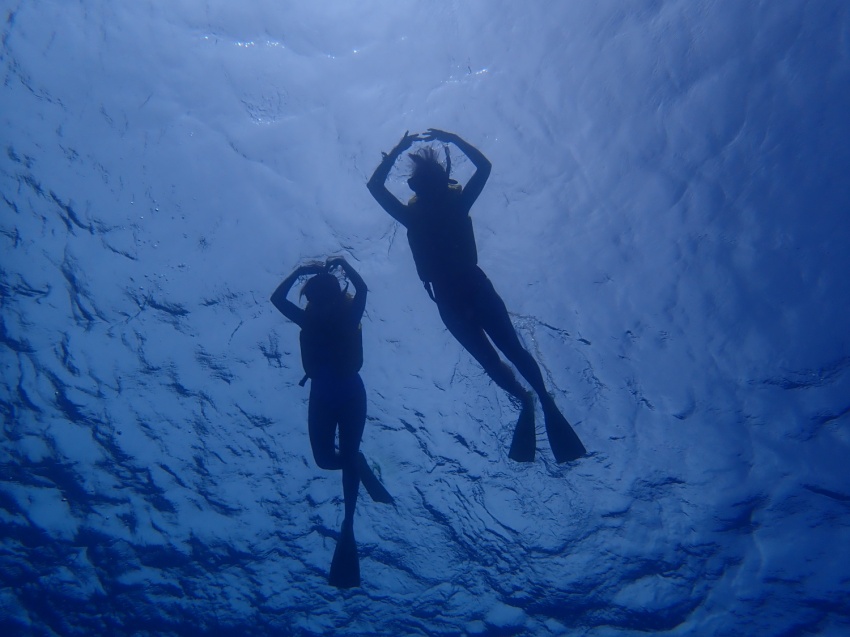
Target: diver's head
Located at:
point(322, 289)
point(429, 177)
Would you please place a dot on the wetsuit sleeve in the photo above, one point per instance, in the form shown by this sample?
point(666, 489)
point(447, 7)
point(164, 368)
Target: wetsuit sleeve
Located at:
point(476, 183)
point(377, 186)
point(284, 305)
point(358, 304)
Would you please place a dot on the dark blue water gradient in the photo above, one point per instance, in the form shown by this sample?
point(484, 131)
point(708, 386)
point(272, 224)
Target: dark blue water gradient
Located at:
point(666, 221)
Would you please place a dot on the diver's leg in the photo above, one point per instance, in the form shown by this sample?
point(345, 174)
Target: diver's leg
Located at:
point(497, 323)
point(321, 425)
point(345, 567)
point(352, 420)
point(462, 325)
point(473, 338)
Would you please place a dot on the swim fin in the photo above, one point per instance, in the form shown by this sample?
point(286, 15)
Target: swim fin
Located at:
point(524, 444)
point(565, 444)
point(345, 567)
point(370, 481)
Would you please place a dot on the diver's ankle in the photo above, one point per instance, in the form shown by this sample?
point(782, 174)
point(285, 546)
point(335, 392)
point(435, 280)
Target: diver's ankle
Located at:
point(548, 403)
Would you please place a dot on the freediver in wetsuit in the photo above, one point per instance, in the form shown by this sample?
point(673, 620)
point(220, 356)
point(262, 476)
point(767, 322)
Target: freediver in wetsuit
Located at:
point(439, 231)
point(332, 355)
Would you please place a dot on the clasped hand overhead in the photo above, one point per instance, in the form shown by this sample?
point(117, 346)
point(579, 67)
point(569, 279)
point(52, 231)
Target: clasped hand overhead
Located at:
point(432, 134)
point(317, 267)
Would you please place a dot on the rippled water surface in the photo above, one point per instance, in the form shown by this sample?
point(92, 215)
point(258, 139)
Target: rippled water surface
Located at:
point(666, 221)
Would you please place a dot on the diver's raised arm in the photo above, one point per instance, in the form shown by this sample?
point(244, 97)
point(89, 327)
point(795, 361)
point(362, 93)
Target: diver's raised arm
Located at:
point(284, 305)
point(377, 183)
point(482, 165)
point(360, 290)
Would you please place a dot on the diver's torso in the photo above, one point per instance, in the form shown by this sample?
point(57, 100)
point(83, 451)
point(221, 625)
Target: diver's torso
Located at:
point(331, 346)
point(441, 238)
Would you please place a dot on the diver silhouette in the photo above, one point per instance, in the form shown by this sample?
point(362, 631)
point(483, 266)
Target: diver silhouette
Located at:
point(332, 355)
point(439, 231)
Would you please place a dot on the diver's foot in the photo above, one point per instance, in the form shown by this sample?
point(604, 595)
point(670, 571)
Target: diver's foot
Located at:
point(345, 567)
point(524, 443)
point(370, 481)
point(565, 444)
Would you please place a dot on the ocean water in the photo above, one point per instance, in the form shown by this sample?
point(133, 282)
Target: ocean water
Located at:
point(667, 221)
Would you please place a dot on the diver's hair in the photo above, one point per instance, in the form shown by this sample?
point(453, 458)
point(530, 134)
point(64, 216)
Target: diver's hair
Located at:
point(324, 281)
point(318, 283)
point(426, 163)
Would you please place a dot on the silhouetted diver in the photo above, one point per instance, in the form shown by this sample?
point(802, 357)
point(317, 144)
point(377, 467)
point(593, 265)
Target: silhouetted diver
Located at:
point(332, 355)
point(439, 231)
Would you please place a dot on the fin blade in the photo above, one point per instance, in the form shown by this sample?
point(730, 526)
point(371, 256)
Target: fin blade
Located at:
point(565, 443)
point(373, 486)
point(524, 443)
point(345, 566)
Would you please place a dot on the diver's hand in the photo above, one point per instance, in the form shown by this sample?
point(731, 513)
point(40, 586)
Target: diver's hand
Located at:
point(334, 262)
point(435, 134)
point(406, 142)
point(313, 267)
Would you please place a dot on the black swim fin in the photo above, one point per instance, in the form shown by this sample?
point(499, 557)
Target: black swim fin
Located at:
point(524, 443)
point(370, 481)
point(345, 567)
point(565, 444)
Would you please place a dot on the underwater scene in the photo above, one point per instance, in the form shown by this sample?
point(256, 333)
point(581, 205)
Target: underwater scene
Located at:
point(408, 318)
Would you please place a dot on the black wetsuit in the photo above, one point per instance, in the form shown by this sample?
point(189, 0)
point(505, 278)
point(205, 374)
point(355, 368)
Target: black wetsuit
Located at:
point(442, 241)
point(441, 238)
point(332, 355)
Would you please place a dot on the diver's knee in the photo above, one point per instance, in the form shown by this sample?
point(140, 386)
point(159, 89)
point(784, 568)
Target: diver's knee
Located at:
point(348, 461)
point(327, 462)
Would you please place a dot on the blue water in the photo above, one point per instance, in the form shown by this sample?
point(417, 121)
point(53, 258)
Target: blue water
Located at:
point(667, 221)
